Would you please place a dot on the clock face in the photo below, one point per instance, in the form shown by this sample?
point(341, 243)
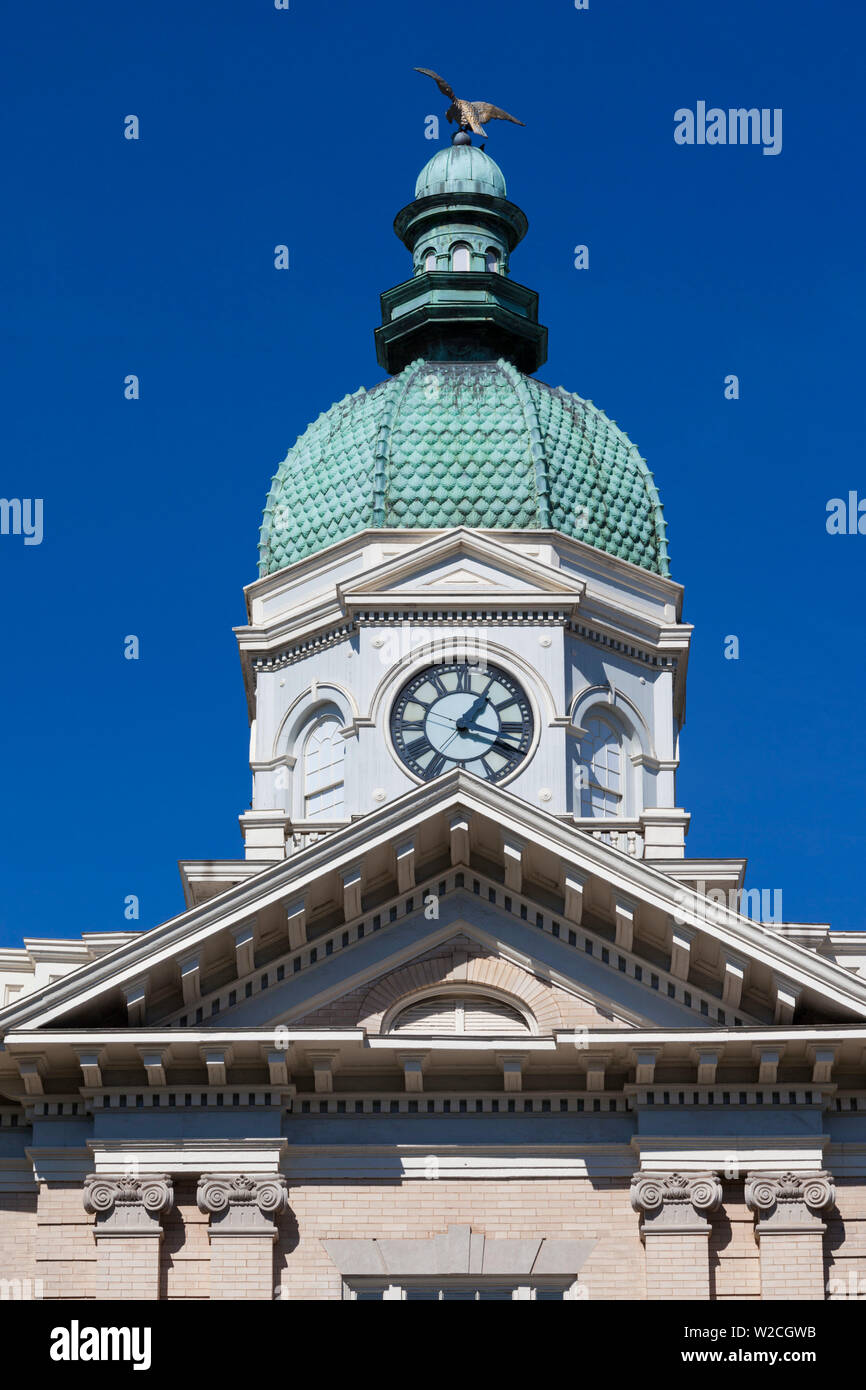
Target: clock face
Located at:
point(457, 715)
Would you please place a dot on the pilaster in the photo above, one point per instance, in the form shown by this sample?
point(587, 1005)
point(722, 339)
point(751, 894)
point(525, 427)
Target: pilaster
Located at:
point(127, 1232)
point(243, 1211)
point(790, 1231)
point(675, 1232)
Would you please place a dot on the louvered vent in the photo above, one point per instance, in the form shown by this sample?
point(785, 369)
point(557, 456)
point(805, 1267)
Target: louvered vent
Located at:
point(460, 1014)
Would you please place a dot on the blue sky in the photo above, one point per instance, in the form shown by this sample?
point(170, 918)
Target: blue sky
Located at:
point(306, 127)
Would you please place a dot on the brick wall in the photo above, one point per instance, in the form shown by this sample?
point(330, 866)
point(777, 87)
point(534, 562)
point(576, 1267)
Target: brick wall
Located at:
point(676, 1267)
point(735, 1269)
point(17, 1237)
point(845, 1241)
point(185, 1253)
point(792, 1267)
point(65, 1250)
point(568, 1209)
point(51, 1239)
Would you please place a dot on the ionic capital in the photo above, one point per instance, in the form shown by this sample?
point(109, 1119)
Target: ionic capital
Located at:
point(789, 1201)
point(240, 1204)
point(127, 1206)
point(675, 1203)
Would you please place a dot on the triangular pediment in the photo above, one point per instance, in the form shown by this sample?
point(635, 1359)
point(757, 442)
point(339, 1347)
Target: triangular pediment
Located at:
point(614, 930)
point(459, 567)
point(458, 888)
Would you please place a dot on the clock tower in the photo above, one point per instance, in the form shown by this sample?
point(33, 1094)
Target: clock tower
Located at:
point(464, 568)
point(464, 1022)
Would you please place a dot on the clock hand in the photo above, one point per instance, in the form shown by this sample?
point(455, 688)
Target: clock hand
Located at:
point(449, 741)
point(496, 742)
point(473, 712)
point(441, 718)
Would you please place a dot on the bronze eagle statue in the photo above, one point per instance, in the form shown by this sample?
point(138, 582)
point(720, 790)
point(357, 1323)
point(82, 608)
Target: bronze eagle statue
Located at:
point(469, 115)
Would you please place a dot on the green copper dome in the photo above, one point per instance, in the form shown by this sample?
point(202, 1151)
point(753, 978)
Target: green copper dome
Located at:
point(464, 444)
point(461, 169)
point(462, 434)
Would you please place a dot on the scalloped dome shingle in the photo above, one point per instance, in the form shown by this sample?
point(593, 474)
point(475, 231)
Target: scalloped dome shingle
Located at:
point(463, 444)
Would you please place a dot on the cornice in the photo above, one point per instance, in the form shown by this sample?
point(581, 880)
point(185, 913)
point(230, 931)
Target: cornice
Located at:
point(579, 552)
point(455, 791)
point(380, 586)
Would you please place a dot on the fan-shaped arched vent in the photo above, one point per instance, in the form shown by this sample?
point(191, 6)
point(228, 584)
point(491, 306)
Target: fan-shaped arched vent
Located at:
point(460, 1013)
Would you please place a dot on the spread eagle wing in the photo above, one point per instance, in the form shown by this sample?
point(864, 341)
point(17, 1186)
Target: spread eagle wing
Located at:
point(440, 82)
point(486, 112)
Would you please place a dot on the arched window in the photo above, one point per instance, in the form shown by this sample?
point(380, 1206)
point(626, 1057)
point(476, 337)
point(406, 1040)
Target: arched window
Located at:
point(491, 260)
point(602, 784)
point(460, 1013)
point(324, 755)
point(461, 256)
point(430, 259)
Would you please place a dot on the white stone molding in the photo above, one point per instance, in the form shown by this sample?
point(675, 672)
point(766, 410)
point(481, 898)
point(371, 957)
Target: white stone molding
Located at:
point(786, 996)
point(575, 883)
point(278, 1066)
point(768, 1059)
point(459, 832)
point(512, 1070)
point(512, 851)
point(413, 1070)
point(187, 1158)
point(624, 913)
point(460, 1251)
point(681, 951)
point(675, 1203)
point(822, 1059)
point(732, 986)
point(786, 1203)
point(31, 1071)
point(644, 1065)
point(405, 856)
point(706, 1064)
point(90, 1062)
point(135, 994)
point(431, 804)
point(244, 939)
point(241, 1204)
point(126, 1206)
point(351, 879)
point(153, 1061)
point(217, 1060)
point(596, 1062)
point(323, 1064)
point(296, 914)
point(190, 979)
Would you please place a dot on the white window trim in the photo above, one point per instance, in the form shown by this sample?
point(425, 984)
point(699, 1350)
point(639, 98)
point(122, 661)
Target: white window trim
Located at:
point(520, 1292)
